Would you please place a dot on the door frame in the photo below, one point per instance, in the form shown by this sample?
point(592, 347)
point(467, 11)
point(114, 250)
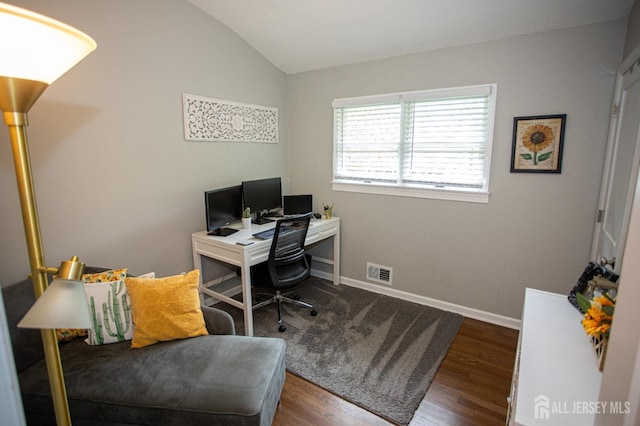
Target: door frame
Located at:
point(614, 129)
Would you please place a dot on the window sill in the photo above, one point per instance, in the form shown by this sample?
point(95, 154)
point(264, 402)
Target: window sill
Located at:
point(431, 193)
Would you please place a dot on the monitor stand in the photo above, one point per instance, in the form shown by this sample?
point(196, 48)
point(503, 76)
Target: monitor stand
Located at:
point(222, 232)
point(261, 219)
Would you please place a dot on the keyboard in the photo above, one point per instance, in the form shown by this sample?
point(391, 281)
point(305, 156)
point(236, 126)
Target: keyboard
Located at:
point(268, 234)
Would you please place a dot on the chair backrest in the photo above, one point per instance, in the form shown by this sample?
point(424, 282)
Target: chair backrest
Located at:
point(287, 262)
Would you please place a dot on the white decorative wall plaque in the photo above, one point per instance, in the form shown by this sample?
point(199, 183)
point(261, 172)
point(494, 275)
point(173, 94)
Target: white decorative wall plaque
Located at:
point(207, 119)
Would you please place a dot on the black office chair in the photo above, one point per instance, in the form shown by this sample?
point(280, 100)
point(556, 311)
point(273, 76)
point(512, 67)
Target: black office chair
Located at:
point(288, 265)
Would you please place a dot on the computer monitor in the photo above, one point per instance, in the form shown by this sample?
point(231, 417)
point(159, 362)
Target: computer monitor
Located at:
point(262, 195)
point(223, 206)
point(297, 204)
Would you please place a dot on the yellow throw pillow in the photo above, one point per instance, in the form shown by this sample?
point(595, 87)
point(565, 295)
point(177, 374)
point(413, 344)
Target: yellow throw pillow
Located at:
point(165, 309)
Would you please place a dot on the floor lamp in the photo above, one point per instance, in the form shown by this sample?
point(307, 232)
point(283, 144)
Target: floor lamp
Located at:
point(34, 52)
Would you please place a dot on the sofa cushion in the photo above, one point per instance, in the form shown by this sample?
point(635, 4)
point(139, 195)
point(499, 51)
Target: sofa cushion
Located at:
point(209, 380)
point(165, 309)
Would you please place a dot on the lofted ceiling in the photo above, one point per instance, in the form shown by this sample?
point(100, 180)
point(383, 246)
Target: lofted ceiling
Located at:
point(304, 35)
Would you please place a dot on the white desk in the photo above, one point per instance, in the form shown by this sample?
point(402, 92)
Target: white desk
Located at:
point(226, 249)
point(556, 379)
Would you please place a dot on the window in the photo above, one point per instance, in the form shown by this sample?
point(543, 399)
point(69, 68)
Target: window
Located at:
point(430, 144)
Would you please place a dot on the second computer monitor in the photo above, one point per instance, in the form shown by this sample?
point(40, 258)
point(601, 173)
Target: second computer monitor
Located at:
point(297, 204)
point(262, 194)
point(223, 206)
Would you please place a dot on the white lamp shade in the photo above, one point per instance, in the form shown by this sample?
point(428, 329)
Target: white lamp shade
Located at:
point(35, 47)
point(62, 305)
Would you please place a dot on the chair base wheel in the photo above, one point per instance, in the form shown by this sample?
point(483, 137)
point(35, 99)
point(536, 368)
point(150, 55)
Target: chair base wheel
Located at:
point(282, 329)
point(314, 313)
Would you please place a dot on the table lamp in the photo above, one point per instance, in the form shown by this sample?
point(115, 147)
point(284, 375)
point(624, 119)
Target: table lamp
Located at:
point(34, 52)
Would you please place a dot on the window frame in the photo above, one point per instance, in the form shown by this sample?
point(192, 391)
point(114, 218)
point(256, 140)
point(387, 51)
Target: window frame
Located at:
point(431, 191)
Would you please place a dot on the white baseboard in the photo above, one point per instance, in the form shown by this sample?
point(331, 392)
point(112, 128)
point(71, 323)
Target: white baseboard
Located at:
point(465, 311)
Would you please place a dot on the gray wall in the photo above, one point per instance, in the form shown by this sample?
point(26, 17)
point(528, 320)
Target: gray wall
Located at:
point(111, 164)
point(536, 230)
point(116, 183)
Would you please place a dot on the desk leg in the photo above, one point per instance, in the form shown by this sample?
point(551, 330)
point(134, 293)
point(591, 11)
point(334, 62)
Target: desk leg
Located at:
point(197, 264)
point(336, 259)
point(246, 297)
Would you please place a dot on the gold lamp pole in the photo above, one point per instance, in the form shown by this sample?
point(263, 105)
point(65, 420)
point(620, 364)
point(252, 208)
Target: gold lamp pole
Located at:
point(35, 51)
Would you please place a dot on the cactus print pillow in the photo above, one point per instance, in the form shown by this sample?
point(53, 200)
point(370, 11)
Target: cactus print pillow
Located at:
point(110, 309)
point(67, 334)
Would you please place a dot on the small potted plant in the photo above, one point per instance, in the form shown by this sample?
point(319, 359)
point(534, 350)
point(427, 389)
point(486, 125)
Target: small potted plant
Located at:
point(246, 218)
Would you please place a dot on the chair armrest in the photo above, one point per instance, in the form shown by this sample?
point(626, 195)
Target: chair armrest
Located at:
point(218, 321)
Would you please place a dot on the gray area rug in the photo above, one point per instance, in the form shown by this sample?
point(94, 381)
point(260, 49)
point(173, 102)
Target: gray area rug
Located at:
point(376, 351)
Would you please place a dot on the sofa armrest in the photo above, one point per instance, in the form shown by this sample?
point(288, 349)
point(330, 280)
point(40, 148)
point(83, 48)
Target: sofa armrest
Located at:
point(218, 321)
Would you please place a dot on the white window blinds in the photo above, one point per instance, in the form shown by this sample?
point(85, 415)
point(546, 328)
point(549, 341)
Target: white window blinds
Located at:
point(369, 141)
point(438, 139)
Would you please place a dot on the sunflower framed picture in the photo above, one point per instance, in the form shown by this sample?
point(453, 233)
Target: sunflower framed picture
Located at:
point(537, 144)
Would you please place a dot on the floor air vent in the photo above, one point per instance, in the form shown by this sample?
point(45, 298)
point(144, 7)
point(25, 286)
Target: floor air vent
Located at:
point(379, 273)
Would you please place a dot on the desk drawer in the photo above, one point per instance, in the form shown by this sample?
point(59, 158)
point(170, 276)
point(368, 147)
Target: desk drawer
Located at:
point(322, 232)
point(225, 252)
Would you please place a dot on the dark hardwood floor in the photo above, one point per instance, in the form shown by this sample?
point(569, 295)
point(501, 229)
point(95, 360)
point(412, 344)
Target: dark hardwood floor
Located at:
point(470, 388)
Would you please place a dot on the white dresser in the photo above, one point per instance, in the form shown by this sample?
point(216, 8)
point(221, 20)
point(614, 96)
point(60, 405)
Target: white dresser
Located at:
point(555, 379)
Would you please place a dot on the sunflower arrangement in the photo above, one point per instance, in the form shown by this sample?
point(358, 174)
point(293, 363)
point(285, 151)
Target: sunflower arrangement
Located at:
point(536, 138)
point(598, 314)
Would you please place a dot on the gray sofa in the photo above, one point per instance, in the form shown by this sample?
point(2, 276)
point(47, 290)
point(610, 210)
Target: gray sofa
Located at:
point(220, 379)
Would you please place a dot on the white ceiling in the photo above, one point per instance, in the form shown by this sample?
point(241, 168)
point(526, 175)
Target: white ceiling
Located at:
point(303, 35)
